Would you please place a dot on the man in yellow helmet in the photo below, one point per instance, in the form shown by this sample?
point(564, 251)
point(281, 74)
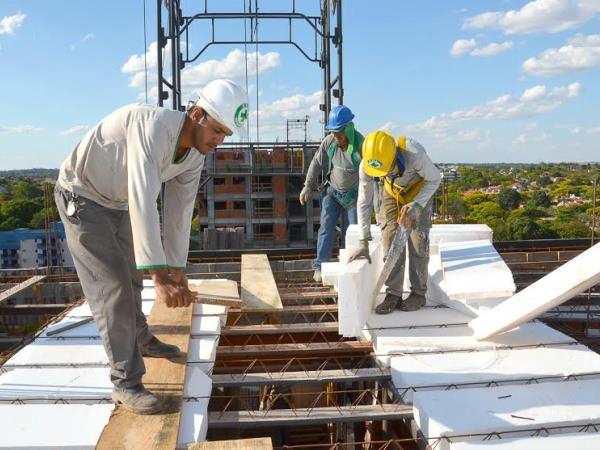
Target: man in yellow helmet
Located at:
point(410, 180)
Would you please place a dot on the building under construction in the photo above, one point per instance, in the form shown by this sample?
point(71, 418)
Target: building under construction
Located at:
point(271, 359)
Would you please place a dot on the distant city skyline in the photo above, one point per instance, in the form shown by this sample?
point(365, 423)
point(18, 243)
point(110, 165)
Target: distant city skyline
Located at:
point(474, 82)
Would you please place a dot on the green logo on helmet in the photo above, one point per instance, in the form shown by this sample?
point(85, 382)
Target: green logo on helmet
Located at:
point(241, 115)
point(375, 163)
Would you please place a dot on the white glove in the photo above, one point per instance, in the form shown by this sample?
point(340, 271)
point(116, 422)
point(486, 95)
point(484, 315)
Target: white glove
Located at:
point(304, 195)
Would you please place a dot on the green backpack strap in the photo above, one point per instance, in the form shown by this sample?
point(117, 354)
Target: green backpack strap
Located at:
point(330, 152)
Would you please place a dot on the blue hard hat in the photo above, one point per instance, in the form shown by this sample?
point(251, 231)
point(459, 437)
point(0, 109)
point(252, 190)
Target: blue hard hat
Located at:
point(338, 118)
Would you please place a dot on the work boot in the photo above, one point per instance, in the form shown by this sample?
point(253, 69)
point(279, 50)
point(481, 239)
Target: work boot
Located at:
point(390, 302)
point(317, 276)
point(413, 302)
point(157, 349)
point(137, 399)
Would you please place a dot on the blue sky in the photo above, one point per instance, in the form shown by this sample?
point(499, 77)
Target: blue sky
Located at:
point(473, 81)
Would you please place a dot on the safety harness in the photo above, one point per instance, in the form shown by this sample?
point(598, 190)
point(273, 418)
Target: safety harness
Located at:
point(348, 198)
point(402, 194)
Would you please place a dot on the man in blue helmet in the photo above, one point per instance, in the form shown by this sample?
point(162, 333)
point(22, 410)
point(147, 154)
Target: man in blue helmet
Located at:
point(338, 158)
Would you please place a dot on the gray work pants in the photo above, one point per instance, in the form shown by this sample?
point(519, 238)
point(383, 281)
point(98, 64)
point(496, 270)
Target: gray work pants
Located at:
point(101, 243)
point(418, 245)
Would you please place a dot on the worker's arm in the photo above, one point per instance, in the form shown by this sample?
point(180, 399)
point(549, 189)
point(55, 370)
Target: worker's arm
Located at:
point(364, 204)
point(145, 141)
point(179, 198)
point(319, 162)
point(426, 170)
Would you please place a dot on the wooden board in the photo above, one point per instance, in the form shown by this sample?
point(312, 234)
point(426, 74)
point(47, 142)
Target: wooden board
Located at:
point(164, 377)
point(5, 295)
point(238, 444)
point(259, 289)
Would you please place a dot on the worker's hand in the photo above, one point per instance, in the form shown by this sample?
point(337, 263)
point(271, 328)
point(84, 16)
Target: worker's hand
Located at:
point(405, 220)
point(361, 252)
point(179, 277)
point(173, 294)
point(304, 195)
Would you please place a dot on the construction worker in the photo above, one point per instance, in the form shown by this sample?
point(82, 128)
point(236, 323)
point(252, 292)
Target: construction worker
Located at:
point(338, 157)
point(106, 195)
point(410, 180)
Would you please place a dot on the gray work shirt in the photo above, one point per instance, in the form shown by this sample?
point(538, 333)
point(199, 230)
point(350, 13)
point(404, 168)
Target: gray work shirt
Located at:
point(417, 165)
point(343, 177)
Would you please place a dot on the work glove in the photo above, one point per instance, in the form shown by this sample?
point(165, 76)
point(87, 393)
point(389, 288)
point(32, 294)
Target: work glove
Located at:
point(361, 252)
point(304, 195)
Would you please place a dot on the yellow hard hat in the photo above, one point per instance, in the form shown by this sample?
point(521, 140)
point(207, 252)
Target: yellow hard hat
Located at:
point(378, 153)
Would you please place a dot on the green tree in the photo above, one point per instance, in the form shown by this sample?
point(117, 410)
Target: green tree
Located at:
point(26, 190)
point(21, 211)
point(540, 199)
point(509, 199)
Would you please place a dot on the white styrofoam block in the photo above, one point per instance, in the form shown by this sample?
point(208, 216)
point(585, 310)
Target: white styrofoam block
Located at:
point(329, 273)
point(474, 270)
point(356, 283)
point(203, 350)
point(206, 326)
point(455, 338)
point(506, 408)
point(54, 352)
point(457, 232)
point(353, 235)
point(437, 371)
point(579, 441)
point(88, 384)
point(57, 426)
point(573, 277)
point(194, 421)
point(209, 310)
point(436, 292)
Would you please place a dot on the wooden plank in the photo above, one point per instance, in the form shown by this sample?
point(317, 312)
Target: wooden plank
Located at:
point(300, 377)
point(312, 349)
point(5, 295)
point(242, 330)
point(259, 289)
point(308, 416)
point(237, 444)
point(164, 377)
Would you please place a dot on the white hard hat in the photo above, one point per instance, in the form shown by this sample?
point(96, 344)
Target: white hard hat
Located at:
point(227, 103)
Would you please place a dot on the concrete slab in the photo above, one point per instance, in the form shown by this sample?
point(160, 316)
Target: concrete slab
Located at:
point(423, 372)
point(518, 409)
point(52, 426)
point(474, 270)
point(89, 385)
point(573, 277)
point(579, 441)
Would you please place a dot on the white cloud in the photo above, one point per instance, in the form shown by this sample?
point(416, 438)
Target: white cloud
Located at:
point(492, 49)
point(389, 127)
point(451, 127)
point(462, 46)
point(531, 126)
point(9, 24)
point(193, 78)
point(594, 130)
point(576, 130)
point(76, 130)
point(273, 116)
point(580, 53)
point(19, 130)
point(550, 16)
point(88, 37)
point(528, 139)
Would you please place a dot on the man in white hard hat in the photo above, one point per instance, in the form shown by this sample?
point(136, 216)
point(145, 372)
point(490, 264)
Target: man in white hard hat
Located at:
point(106, 195)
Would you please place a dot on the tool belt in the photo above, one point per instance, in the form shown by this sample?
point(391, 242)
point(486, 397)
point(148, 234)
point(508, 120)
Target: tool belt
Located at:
point(403, 194)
